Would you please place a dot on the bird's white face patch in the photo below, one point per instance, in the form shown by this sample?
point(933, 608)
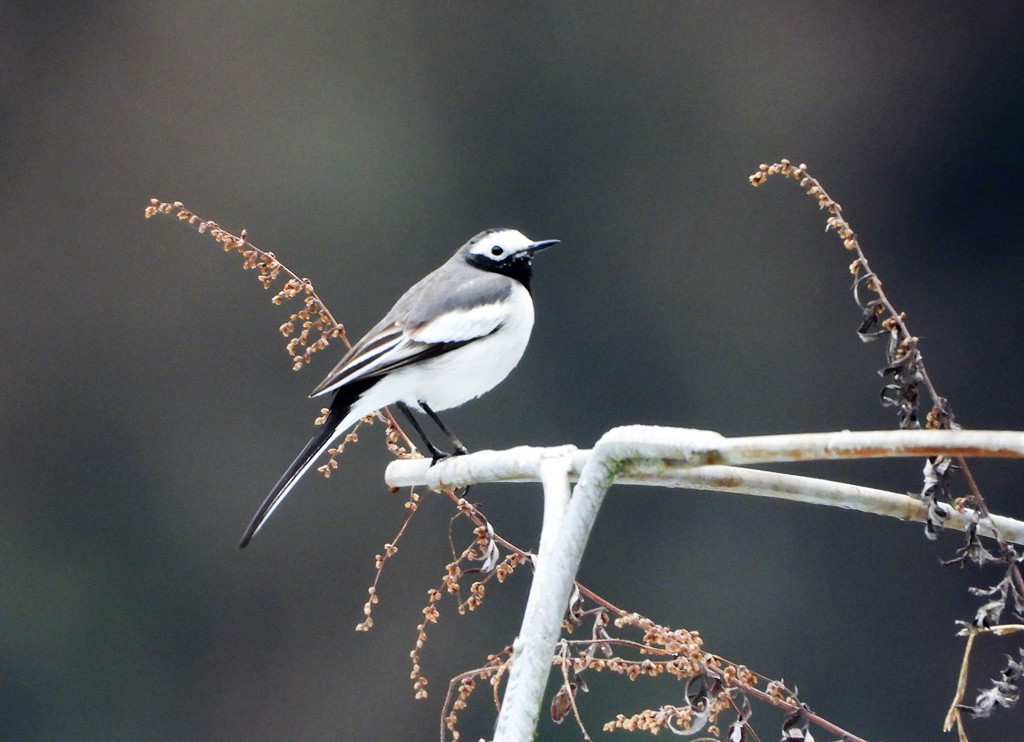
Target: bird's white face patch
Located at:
point(498, 246)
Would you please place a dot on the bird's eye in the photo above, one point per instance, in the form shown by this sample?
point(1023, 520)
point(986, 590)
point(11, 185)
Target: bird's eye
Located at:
point(497, 250)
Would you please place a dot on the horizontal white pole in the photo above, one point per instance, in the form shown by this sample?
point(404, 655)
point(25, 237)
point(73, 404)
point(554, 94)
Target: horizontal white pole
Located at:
point(690, 447)
point(674, 457)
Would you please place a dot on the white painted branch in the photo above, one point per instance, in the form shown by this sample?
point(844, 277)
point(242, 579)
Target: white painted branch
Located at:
point(519, 464)
point(554, 475)
point(549, 595)
point(672, 457)
point(523, 465)
point(823, 492)
point(542, 619)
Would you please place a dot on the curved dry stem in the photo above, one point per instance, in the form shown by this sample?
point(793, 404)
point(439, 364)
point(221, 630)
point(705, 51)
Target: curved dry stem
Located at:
point(904, 343)
point(314, 316)
point(907, 367)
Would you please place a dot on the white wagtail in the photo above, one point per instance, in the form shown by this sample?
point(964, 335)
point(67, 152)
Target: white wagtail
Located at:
point(453, 336)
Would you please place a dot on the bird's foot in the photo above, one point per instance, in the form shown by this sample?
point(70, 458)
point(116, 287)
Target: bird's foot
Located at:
point(436, 454)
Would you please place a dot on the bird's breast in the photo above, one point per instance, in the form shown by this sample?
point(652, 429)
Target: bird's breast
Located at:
point(465, 373)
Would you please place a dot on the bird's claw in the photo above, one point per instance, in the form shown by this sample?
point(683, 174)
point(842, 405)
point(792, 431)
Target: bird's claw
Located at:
point(436, 454)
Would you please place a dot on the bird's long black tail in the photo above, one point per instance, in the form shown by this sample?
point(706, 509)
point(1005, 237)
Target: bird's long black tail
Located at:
point(329, 432)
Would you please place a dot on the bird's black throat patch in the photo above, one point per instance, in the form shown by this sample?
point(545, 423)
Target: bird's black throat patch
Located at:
point(518, 267)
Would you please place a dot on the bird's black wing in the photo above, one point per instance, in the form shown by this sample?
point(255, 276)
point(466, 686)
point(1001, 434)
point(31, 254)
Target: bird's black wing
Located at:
point(394, 344)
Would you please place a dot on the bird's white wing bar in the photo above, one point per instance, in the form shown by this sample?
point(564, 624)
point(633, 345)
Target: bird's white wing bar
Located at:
point(462, 325)
point(396, 347)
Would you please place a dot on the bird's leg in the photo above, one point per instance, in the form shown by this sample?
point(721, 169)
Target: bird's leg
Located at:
point(436, 454)
point(460, 450)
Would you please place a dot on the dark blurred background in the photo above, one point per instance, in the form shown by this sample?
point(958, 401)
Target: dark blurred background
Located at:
point(148, 404)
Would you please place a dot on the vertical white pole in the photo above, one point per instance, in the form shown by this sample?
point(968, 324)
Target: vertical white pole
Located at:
point(563, 539)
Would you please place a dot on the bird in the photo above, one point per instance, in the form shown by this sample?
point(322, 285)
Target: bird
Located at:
point(453, 336)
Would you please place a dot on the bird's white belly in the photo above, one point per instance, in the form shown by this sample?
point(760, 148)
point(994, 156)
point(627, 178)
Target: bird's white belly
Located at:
point(465, 373)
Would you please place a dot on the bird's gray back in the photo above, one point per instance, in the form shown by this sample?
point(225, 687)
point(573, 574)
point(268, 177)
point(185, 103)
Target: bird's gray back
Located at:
point(455, 286)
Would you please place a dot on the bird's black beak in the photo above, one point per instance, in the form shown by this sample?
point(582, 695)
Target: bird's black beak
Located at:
point(542, 245)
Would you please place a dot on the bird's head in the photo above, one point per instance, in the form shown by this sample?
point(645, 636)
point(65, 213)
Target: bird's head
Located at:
point(505, 251)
